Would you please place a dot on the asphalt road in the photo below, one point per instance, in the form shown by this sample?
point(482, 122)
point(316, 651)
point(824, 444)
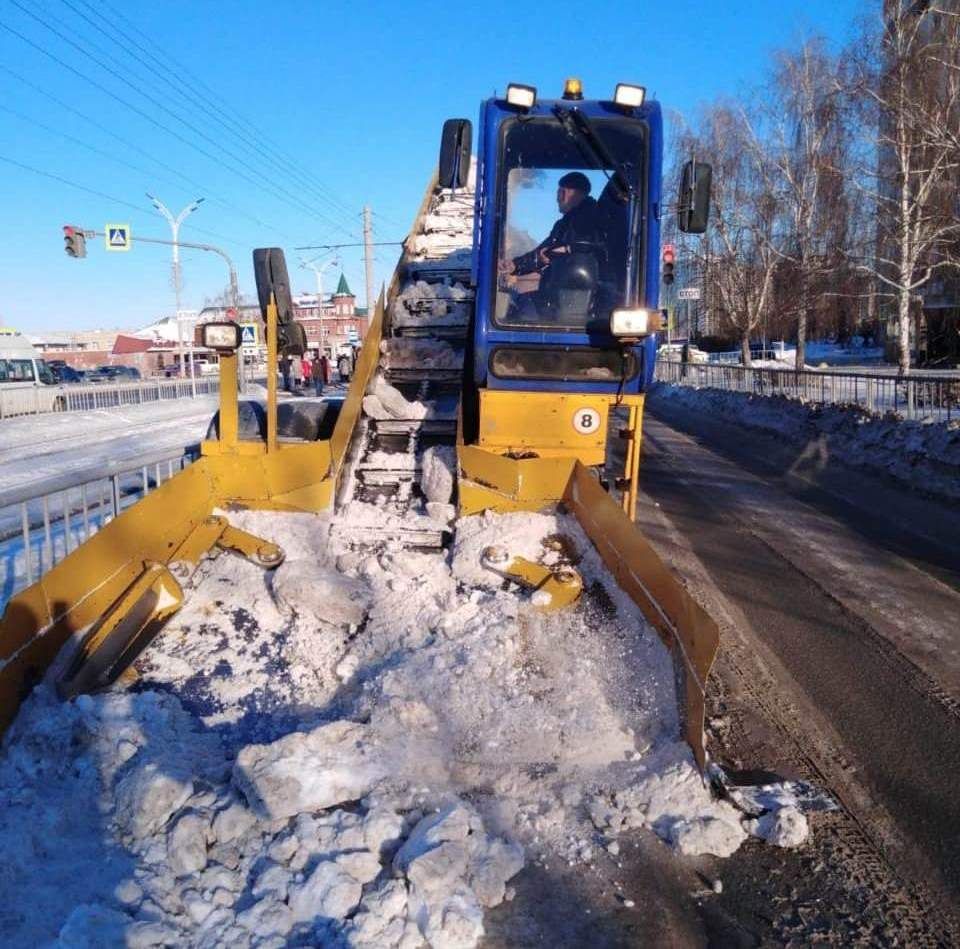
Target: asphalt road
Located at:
point(845, 590)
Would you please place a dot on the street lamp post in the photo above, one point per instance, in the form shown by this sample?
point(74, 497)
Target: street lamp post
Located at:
point(175, 223)
point(319, 271)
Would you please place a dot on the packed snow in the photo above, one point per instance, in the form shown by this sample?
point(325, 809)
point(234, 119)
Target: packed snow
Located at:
point(403, 353)
point(362, 748)
point(924, 455)
point(420, 303)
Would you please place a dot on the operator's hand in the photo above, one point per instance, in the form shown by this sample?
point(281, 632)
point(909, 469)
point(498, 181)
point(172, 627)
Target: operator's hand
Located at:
point(548, 253)
point(507, 267)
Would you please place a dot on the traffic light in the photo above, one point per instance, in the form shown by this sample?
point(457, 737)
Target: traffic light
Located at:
point(75, 244)
point(669, 257)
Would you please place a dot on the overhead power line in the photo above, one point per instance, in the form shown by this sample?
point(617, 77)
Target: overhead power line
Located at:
point(131, 145)
point(102, 194)
point(159, 71)
point(182, 70)
point(260, 181)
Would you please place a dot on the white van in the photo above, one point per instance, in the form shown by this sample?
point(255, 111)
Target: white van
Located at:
point(26, 382)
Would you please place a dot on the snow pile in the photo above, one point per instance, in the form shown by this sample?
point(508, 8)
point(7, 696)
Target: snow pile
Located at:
point(426, 304)
point(453, 222)
point(669, 796)
point(923, 455)
point(404, 353)
point(521, 534)
point(384, 401)
point(309, 771)
point(447, 229)
point(303, 587)
point(265, 857)
point(367, 763)
point(437, 477)
point(248, 642)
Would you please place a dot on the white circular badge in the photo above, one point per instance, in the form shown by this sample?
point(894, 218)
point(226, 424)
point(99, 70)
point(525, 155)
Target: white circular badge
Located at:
point(586, 421)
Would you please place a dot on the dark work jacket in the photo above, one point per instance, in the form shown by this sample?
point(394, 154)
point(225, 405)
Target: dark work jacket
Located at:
point(580, 224)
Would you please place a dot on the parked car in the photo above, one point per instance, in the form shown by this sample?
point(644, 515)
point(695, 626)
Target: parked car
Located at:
point(67, 374)
point(114, 374)
point(674, 352)
point(27, 383)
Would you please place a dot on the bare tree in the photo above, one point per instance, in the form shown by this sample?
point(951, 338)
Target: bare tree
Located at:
point(909, 89)
point(740, 252)
point(803, 135)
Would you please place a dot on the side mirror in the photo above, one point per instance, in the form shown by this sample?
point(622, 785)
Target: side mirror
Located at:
point(693, 204)
point(455, 145)
point(270, 271)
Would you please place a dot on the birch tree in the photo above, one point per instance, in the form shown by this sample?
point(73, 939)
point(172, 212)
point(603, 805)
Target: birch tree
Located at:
point(909, 88)
point(803, 131)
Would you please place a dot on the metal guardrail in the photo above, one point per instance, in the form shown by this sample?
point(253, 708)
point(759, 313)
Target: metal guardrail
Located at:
point(912, 397)
point(43, 522)
point(82, 398)
point(734, 356)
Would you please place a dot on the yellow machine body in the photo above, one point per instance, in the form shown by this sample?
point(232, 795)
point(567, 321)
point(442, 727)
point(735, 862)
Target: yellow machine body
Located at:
point(529, 456)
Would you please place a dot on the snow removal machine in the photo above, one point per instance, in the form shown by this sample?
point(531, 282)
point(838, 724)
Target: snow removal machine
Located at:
point(518, 330)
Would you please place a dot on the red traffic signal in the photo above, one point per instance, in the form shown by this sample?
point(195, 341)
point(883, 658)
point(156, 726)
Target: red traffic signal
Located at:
point(74, 241)
point(669, 256)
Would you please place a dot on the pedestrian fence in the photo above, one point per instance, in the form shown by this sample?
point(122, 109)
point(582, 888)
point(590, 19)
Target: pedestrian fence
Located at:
point(42, 522)
point(734, 357)
point(35, 400)
point(906, 396)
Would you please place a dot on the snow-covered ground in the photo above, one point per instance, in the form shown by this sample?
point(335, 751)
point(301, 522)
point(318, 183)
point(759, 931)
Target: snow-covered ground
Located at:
point(923, 455)
point(33, 448)
point(359, 749)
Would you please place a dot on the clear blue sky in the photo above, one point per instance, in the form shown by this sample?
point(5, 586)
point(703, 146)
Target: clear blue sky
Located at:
point(338, 104)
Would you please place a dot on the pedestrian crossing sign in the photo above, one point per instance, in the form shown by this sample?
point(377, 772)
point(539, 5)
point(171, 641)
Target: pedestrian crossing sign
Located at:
point(117, 236)
point(248, 334)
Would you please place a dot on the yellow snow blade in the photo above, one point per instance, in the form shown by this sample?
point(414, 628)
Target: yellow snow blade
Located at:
point(684, 626)
point(491, 481)
point(123, 632)
point(173, 525)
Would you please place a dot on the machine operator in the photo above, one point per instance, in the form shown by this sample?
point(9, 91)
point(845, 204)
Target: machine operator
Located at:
point(580, 222)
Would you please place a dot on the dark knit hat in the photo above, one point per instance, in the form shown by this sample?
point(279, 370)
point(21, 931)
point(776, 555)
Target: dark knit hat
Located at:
point(575, 179)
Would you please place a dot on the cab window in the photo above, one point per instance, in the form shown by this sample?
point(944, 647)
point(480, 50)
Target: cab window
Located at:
point(45, 373)
point(20, 370)
point(562, 251)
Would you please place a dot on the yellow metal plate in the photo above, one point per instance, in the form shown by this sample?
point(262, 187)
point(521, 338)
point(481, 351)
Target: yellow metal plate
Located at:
point(546, 422)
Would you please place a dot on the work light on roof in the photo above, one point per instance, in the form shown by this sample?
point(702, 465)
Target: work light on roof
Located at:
point(629, 96)
point(523, 97)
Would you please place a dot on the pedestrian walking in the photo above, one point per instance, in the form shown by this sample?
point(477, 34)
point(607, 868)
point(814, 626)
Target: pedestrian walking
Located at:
point(305, 368)
point(285, 362)
point(296, 374)
point(325, 364)
point(316, 373)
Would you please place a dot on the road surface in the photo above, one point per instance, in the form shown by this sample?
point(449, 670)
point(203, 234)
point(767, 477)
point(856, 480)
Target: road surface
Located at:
point(840, 659)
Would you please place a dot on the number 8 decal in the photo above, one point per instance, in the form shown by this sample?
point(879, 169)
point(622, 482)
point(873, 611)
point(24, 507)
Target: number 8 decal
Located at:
point(586, 421)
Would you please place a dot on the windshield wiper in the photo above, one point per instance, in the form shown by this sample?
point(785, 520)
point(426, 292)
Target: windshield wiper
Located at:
point(576, 124)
